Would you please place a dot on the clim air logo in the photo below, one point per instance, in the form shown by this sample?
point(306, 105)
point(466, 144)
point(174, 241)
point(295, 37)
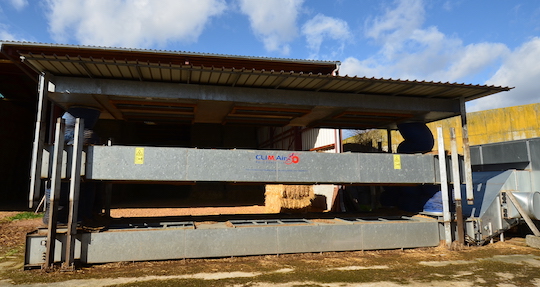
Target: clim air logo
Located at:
point(290, 159)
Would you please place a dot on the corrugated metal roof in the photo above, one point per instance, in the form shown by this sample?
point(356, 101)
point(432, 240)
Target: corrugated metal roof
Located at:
point(73, 52)
point(224, 70)
point(381, 103)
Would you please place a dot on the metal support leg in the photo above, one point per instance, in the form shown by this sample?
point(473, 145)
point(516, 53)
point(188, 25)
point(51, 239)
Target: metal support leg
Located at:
point(39, 138)
point(521, 211)
point(444, 188)
point(457, 187)
point(74, 188)
point(389, 139)
point(466, 154)
point(108, 194)
point(58, 150)
point(373, 193)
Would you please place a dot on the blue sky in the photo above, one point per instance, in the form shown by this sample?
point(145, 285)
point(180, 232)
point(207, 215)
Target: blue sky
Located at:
point(491, 42)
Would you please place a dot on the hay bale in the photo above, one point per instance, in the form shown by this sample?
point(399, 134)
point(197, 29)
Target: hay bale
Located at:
point(280, 197)
point(272, 197)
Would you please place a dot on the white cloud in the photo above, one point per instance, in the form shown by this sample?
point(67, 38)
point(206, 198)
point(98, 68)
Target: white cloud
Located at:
point(19, 4)
point(8, 36)
point(396, 25)
point(520, 69)
point(273, 22)
point(321, 27)
point(140, 23)
point(473, 58)
point(352, 66)
point(410, 51)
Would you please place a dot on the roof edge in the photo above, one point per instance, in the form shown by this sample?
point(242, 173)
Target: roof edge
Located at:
point(172, 52)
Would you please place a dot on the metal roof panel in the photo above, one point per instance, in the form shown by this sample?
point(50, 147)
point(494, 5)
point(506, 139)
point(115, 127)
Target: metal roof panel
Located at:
point(224, 70)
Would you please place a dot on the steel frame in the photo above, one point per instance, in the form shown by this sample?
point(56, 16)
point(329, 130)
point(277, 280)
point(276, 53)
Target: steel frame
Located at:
point(272, 236)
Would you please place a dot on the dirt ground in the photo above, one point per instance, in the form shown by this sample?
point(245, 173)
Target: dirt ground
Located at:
point(509, 263)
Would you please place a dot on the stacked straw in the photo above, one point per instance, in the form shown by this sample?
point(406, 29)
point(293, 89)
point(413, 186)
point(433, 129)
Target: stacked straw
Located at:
point(281, 197)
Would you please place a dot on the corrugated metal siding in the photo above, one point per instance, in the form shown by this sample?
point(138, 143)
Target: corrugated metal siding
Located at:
point(315, 138)
point(282, 138)
point(275, 138)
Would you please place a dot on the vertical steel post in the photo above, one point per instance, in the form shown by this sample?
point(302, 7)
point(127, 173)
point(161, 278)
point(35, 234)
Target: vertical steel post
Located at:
point(39, 138)
point(373, 193)
point(108, 194)
point(466, 153)
point(389, 139)
point(444, 187)
point(56, 179)
point(457, 187)
point(341, 140)
point(74, 188)
point(501, 236)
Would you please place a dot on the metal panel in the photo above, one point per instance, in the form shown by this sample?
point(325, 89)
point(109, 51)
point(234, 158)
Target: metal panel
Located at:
point(314, 138)
point(321, 167)
point(231, 242)
point(268, 72)
point(251, 95)
point(46, 167)
point(399, 235)
point(36, 248)
point(233, 165)
point(133, 245)
point(382, 169)
point(320, 238)
point(218, 240)
point(505, 153)
point(534, 149)
point(486, 188)
point(182, 164)
point(118, 163)
point(476, 155)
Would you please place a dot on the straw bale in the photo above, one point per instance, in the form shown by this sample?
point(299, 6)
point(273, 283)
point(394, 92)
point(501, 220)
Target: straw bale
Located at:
point(272, 198)
point(279, 197)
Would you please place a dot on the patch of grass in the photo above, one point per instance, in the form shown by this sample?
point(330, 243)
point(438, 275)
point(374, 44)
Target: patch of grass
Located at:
point(11, 252)
point(314, 269)
point(186, 283)
point(25, 215)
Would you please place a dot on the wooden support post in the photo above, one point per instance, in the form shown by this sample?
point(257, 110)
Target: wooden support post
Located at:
point(444, 188)
point(58, 150)
point(74, 189)
point(457, 187)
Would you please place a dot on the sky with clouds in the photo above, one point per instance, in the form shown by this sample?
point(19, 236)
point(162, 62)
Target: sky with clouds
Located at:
point(487, 42)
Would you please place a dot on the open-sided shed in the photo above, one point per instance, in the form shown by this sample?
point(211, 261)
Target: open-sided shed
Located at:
point(168, 103)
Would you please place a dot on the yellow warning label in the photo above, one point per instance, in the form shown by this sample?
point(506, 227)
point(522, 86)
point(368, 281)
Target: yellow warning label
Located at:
point(397, 161)
point(139, 155)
